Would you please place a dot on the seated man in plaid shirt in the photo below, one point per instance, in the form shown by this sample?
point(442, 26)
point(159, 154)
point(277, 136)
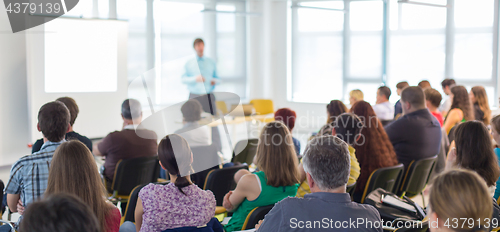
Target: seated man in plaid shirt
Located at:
point(29, 175)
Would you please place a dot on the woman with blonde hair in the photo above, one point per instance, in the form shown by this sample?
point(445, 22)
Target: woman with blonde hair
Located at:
point(277, 179)
point(456, 195)
point(73, 171)
point(355, 96)
point(479, 99)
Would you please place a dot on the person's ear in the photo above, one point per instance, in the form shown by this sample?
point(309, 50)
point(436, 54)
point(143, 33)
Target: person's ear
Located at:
point(334, 132)
point(122, 116)
point(38, 127)
point(310, 181)
point(69, 128)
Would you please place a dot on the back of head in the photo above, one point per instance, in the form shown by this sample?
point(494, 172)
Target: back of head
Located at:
point(482, 100)
point(461, 101)
point(424, 84)
point(475, 150)
point(176, 157)
point(53, 120)
point(70, 103)
point(276, 155)
point(131, 109)
point(335, 108)
point(448, 83)
point(287, 116)
point(495, 123)
point(402, 85)
point(458, 194)
point(73, 171)
point(433, 96)
point(191, 110)
point(414, 96)
point(356, 94)
point(59, 213)
point(384, 91)
point(327, 160)
point(348, 127)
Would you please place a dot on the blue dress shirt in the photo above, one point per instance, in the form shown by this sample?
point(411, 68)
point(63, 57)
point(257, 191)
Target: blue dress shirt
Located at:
point(204, 66)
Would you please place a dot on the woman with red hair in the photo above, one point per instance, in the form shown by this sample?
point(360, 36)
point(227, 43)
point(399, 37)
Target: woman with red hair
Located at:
point(374, 149)
point(288, 116)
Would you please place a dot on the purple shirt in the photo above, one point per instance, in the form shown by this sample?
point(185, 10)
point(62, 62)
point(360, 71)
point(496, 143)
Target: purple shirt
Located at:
point(165, 207)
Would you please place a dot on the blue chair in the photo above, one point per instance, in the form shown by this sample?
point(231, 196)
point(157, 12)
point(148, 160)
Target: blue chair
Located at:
point(212, 226)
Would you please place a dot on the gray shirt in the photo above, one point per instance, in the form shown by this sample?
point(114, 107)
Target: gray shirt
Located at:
point(321, 212)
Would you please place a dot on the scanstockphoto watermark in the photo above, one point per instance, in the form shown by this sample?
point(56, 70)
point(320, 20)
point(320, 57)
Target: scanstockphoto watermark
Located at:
point(356, 223)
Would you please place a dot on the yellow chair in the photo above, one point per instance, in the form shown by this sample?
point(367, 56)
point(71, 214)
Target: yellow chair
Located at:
point(221, 105)
point(263, 106)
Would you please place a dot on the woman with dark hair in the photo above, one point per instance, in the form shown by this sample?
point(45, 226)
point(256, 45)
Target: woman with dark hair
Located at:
point(374, 149)
point(473, 150)
point(177, 204)
point(333, 110)
point(461, 108)
point(482, 111)
point(288, 117)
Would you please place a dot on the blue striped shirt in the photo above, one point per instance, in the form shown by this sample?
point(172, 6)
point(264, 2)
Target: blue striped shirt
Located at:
point(30, 174)
point(200, 66)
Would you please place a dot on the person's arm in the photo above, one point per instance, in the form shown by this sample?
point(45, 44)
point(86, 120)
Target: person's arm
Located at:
point(12, 200)
point(451, 158)
point(100, 148)
point(139, 211)
point(395, 131)
point(452, 120)
point(215, 78)
point(246, 188)
point(187, 77)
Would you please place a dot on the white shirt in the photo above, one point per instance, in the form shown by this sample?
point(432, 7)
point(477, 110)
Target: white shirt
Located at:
point(196, 135)
point(384, 111)
point(445, 107)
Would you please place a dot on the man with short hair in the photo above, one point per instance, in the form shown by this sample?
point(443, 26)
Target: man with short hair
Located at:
point(195, 134)
point(126, 144)
point(384, 109)
point(397, 107)
point(425, 84)
point(417, 134)
point(29, 175)
point(447, 84)
point(432, 102)
point(326, 162)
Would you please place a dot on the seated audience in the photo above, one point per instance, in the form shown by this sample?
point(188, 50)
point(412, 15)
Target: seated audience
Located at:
point(425, 84)
point(461, 109)
point(73, 111)
point(333, 110)
point(432, 102)
point(277, 179)
point(59, 213)
point(397, 107)
point(374, 149)
point(479, 99)
point(384, 109)
point(29, 175)
point(125, 144)
point(191, 131)
point(177, 204)
point(459, 194)
point(355, 96)
point(288, 117)
point(495, 133)
point(347, 127)
point(326, 163)
point(424, 140)
point(73, 171)
point(447, 84)
point(473, 150)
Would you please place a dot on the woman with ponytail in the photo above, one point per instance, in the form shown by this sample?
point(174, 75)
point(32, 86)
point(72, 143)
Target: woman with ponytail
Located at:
point(177, 204)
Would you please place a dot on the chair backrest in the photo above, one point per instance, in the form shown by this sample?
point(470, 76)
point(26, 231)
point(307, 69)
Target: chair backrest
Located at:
point(263, 106)
point(386, 178)
point(221, 181)
point(205, 159)
point(255, 216)
point(132, 172)
point(416, 176)
point(129, 214)
point(248, 150)
point(212, 226)
point(221, 106)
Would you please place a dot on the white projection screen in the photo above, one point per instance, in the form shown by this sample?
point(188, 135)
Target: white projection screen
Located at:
point(85, 59)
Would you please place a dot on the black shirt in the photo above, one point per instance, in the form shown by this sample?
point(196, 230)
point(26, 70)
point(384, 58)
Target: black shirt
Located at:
point(415, 136)
point(70, 135)
point(478, 113)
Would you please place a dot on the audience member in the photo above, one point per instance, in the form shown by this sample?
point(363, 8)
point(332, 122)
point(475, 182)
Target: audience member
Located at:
point(432, 102)
point(326, 163)
point(479, 99)
point(425, 84)
point(73, 111)
point(277, 179)
point(125, 144)
point(383, 109)
point(347, 127)
point(59, 213)
point(374, 149)
point(177, 204)
point(461, 109)
point(473, 150)
point(355, 96)
point(288, 117)
point(29, 175)
point(495, 133)
point(459, 194)
point(397, 107)
point(333, 110)
point(191, 130)
point(447, 84)
point(73, 171)
point(424, 140)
